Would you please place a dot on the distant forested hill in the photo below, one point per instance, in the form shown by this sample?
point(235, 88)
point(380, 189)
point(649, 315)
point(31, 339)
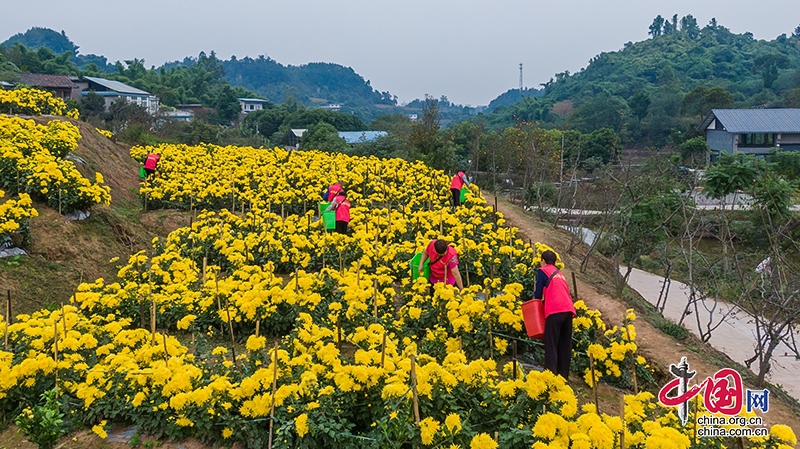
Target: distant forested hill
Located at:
point(652, 89)
point(311, 84)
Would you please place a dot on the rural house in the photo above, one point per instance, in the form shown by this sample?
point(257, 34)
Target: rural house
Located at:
point(111, 91)
point(251, 104)
point(751, 131)
point(59, 85)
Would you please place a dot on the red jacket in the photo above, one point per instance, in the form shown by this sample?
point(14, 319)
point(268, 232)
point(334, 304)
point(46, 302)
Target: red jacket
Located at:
point(342, 208)
point(151, 161)
point(458, 181)
point(556, 295)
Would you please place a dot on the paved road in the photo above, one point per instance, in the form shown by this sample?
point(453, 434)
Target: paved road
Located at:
point(735, 336)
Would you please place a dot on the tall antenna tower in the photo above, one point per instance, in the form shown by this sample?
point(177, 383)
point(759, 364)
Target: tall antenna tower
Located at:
point(520, 77)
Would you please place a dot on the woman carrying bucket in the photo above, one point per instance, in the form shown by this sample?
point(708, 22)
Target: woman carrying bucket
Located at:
point(552, 286)
point(443, 265)
point(342, 208)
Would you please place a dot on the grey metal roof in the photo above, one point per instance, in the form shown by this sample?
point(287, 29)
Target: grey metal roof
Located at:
point(756, 120)
point(116, 86)
point(361, 136)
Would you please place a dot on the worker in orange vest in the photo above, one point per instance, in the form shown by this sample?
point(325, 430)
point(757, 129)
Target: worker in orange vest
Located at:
point(552, 286)
point(459, 181)
point(150, 163)
point(342, 207)
point(444, 258)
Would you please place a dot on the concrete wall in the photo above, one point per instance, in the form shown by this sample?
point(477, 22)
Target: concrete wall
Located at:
point(721, 141)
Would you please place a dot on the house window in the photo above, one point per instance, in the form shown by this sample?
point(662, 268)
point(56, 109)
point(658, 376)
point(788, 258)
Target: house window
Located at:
point(756, 140)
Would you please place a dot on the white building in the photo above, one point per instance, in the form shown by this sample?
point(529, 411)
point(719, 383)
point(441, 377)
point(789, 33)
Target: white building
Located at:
point(251, 104)
point(111, 91)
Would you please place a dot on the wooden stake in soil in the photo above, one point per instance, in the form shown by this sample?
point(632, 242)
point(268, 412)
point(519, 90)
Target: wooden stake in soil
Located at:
point(383, 349)
point(441, 226)
point(64, 317)
point(274, 387)
point(296, 280)
point(230, 329)
point(574, 287)
point(622, 417)
point(205, 264)
point(375, 299)
point(8, 315)
point(152, 306)
point(339, 332)
point(594, 385)
point(55, 347)
point(258, 325)
point(514, 353)
point(414, 388)
point(166, 351)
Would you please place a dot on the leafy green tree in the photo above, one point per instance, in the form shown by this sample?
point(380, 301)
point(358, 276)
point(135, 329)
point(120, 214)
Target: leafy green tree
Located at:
point(694, 151)
point(392, 123)
point(92, 105)
point(768, 66)
point(639, 103)
point(689, 27)
point(227, 105)
point(657, 26)
point(43, 424)
point(600, 112)
point(796, 32)
point(602, 144)
point(701, 100)
point(323, 136)
point(424, 133)
point(733, 173)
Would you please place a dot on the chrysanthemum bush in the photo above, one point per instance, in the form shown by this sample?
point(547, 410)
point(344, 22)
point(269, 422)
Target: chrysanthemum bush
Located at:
point(29, 101)
point(348, 324)
point(32, 161)
point(14, 215)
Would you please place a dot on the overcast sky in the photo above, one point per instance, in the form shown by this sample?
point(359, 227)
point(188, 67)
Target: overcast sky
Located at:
point(468, 50)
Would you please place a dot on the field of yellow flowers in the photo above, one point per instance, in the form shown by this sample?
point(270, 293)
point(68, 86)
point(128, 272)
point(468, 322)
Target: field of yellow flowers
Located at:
point(256, 325)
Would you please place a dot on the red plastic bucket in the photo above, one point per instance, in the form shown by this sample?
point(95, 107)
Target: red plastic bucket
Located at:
point(533, 316)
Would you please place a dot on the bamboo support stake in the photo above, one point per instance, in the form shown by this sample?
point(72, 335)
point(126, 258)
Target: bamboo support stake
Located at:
point(205, 265)
point(274, 387)
point(230, 330)
point(383, 350)
point(296, 280)
point(64, 317)
point(152, 306)
point(414, 388)
point(339, 332)
point(258, 325)
point(622, 417)
point(55, 348)
point(594, 385)
point(514, 352)
point(574, 287)
point(441, 225)
point(375, 299)
point(166, 351)
point(8, 314)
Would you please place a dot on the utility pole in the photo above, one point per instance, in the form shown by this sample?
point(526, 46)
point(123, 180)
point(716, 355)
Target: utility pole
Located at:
point(520, 78)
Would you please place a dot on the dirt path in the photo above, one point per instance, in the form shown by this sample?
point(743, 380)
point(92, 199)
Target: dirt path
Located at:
point(660, 349)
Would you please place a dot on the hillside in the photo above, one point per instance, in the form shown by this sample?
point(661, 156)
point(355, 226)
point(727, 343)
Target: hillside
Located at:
point(64, 253)
point(333, 316)
point(664, 85)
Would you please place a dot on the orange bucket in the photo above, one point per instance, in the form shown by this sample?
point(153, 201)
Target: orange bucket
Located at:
point(533, 316)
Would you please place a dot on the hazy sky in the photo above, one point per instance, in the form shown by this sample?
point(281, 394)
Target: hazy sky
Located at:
point(469, 50)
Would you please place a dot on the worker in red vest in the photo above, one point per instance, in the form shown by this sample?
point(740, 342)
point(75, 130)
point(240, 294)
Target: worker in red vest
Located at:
point(459, 181)
point(150, 163)
point(342, 207)
point(551, 285)
point(444, 263)
point(332, 191)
